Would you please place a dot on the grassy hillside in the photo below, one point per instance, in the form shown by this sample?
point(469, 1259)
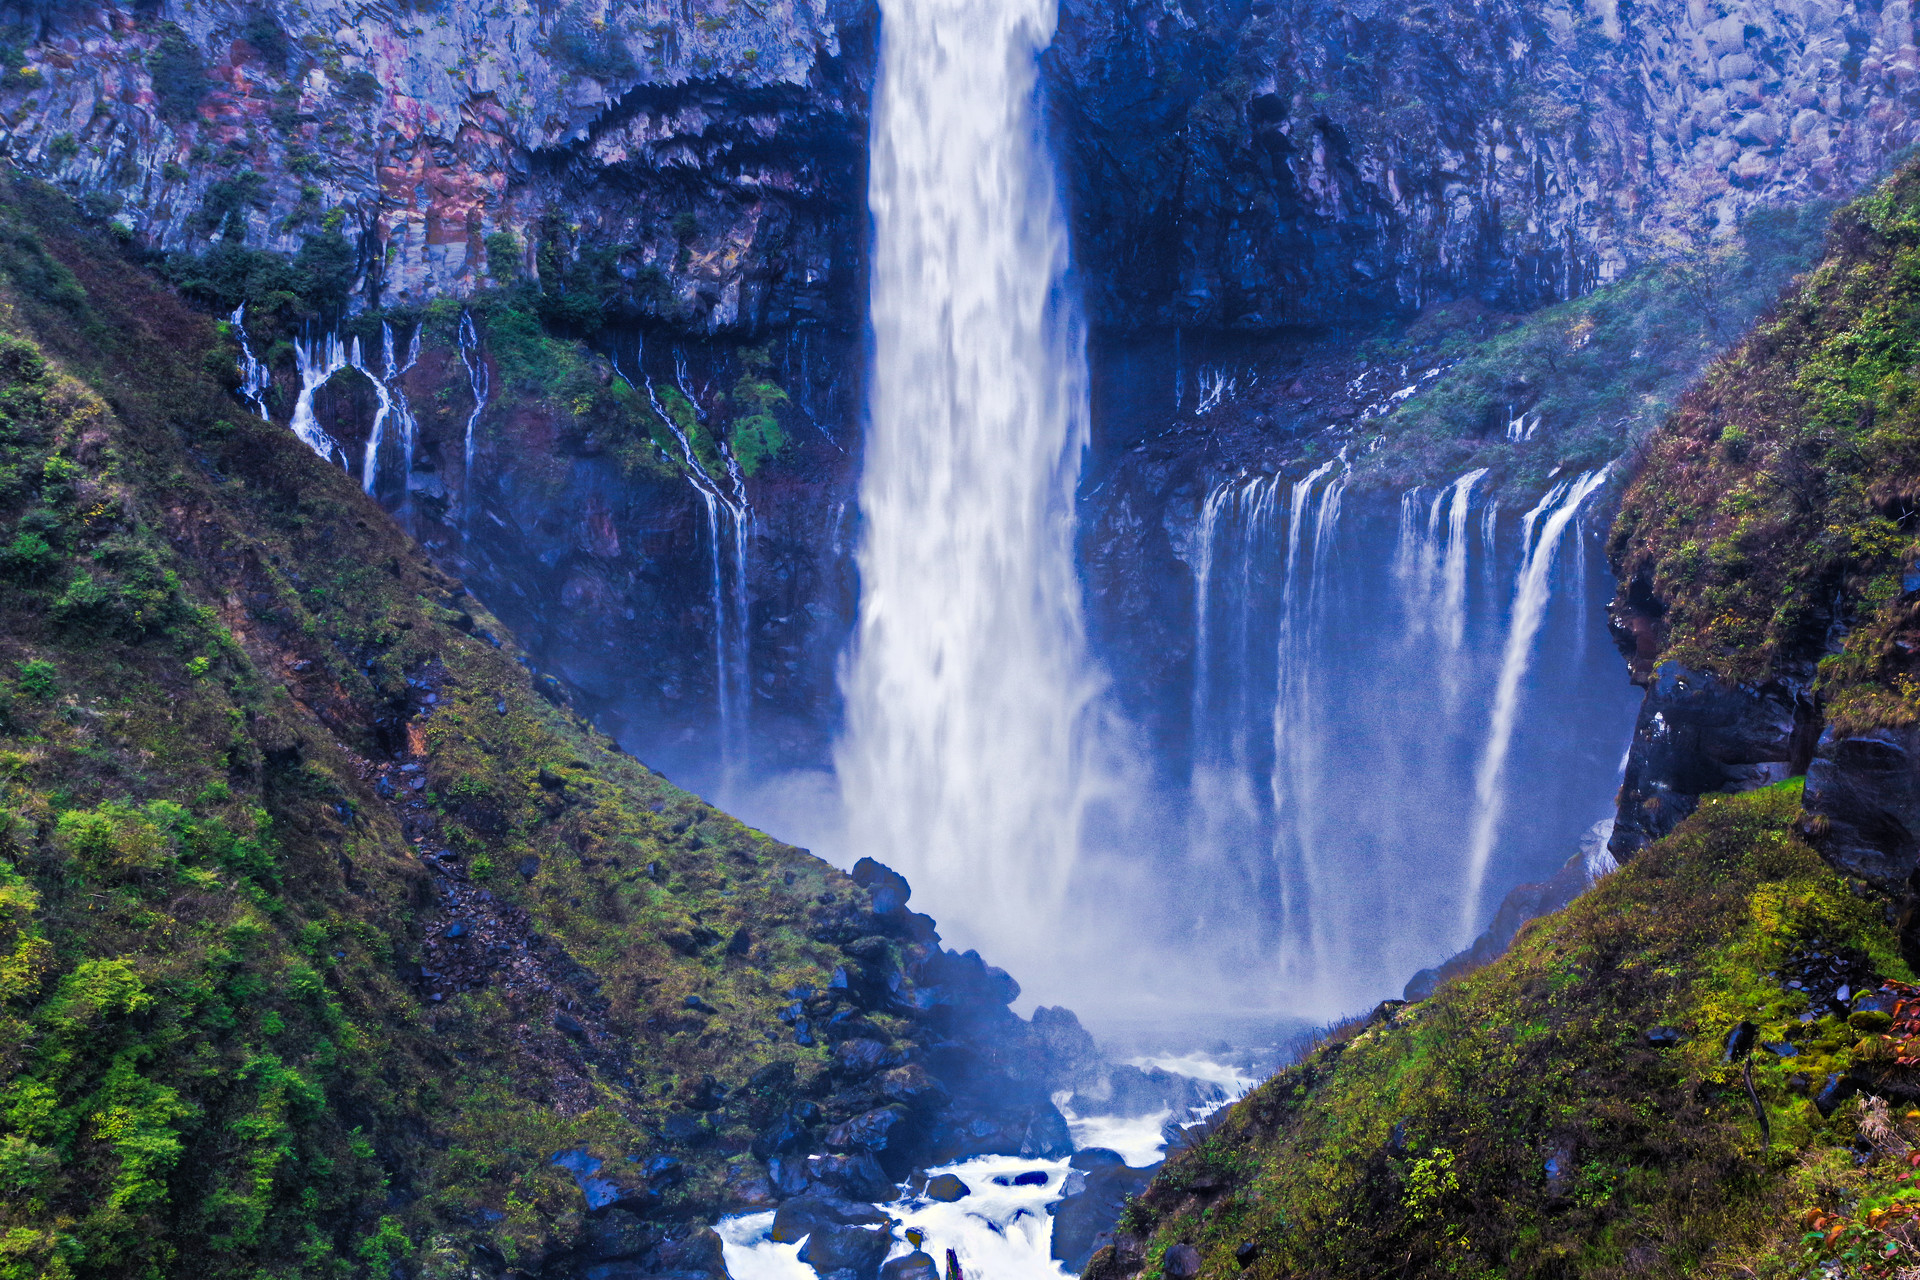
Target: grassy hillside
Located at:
point(323, 926)
point(1533, 1120)
point(1781, 497)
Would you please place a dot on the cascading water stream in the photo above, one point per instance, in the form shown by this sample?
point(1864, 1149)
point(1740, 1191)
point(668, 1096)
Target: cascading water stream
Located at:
point(1531, 591)
point(317, 361)
point(393, 407)
point(479, 381)
point(729, 526)
point(973, 746)
point(254, 376)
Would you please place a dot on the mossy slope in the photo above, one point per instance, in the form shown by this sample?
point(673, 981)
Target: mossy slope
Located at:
point(1521, 1122)
point(321, 931)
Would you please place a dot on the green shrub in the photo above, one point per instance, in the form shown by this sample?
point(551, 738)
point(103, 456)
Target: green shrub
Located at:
point(179, 74)
point(39, 679)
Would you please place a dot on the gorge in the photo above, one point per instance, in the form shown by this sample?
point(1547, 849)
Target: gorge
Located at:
point(1366, 551)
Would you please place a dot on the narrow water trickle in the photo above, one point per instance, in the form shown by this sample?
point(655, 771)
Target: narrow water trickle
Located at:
point(479, 381)
point(729, 525)
point(973, 752)
point(254, 376)
point(393, 408)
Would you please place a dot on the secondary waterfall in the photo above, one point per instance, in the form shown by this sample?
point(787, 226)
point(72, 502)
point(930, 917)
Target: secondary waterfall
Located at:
point(393, 407)
point(479, 381)
point(729, 523)
point(1359, 683)
point(254, 376)
point(970, 754)
point(317, 361)
point(1530, 592)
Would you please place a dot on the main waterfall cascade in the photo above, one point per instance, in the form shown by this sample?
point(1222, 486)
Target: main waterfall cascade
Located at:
point(975, 752)
point(1363, 702)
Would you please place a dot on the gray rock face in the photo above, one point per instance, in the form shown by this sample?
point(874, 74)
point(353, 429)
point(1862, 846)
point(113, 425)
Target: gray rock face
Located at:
point(713, 147)
point(1294, 160)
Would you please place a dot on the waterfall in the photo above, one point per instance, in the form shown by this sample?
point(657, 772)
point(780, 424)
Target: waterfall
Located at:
point(317, 362)
point(971, 756)
point(1453, 597)
point(1531, 590)
point(479, 381)
point(254, 375)
point(729, 521)
point(1292, 782)
point(393, 405)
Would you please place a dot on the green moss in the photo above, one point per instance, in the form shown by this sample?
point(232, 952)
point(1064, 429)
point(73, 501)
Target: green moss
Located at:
point(1520, 1123)
point(216, 1055)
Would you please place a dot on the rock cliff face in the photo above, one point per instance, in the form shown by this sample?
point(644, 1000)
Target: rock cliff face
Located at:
point(711, 156)
point(1296, 161)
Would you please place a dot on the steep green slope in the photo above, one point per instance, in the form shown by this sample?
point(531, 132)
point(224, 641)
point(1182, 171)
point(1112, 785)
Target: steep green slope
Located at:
point(322, 930)
point(1530, 1121)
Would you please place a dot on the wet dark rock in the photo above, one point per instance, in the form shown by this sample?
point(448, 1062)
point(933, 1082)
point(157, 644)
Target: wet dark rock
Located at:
point(1029, 1178)
point(1246, 1253)
point(858, 1058)
point(785, 1134)
point(1664, 1037)
point(888, 887)
point(1182, 1262)
point(1696, 733)
point(686, 1130)
point(1083, 1223)
point(882, 1131)
point(1126, 1090)
point(847, 1252)
point(1047, 1135)
point(788, 1175)
point(1867, 788)
point(1835, 1091)
point(615, 1233)
point(600, 1189)
point(1780, 1049)
point(946, 1188)
point(1739, 1042)
point(1089, 1158)
point(914, 1266)
point(807, 1214)
point(859, 1176)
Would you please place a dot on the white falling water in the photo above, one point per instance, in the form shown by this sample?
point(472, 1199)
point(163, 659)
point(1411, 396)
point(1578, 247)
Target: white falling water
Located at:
point(971, 746)
point(1298, 849)
point(1453, 591)
point(254, 376)
point(730, 520)
point(393, 406)
point(479, 381)
point(317, 361)
point(1532, 587)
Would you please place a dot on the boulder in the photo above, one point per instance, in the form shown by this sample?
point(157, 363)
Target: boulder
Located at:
point(913, 1266)
point(802, 1216)
point(858, 1176)
point(1083, 1223)
point(946, 1188)
point(1182, 1262)
point(848, 1252)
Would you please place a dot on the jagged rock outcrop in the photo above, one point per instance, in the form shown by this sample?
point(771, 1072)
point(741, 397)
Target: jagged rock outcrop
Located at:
point(1297, 161)
point(710, 156)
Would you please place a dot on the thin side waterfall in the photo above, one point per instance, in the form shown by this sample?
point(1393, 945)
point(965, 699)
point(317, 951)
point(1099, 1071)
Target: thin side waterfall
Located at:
point(1531, 591)
point(393, 407)
point(254, 376)
point(317, 360)
point(1453, 594)
point(973, 749)
point(479, 381)
point(729, 523)
point(1296, 741)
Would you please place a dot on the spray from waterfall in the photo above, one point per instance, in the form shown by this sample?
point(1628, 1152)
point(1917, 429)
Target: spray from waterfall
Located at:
point(254, 376)
point(317, 361)
point(973, 750)
point(1531, 591)
point(479, 381)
